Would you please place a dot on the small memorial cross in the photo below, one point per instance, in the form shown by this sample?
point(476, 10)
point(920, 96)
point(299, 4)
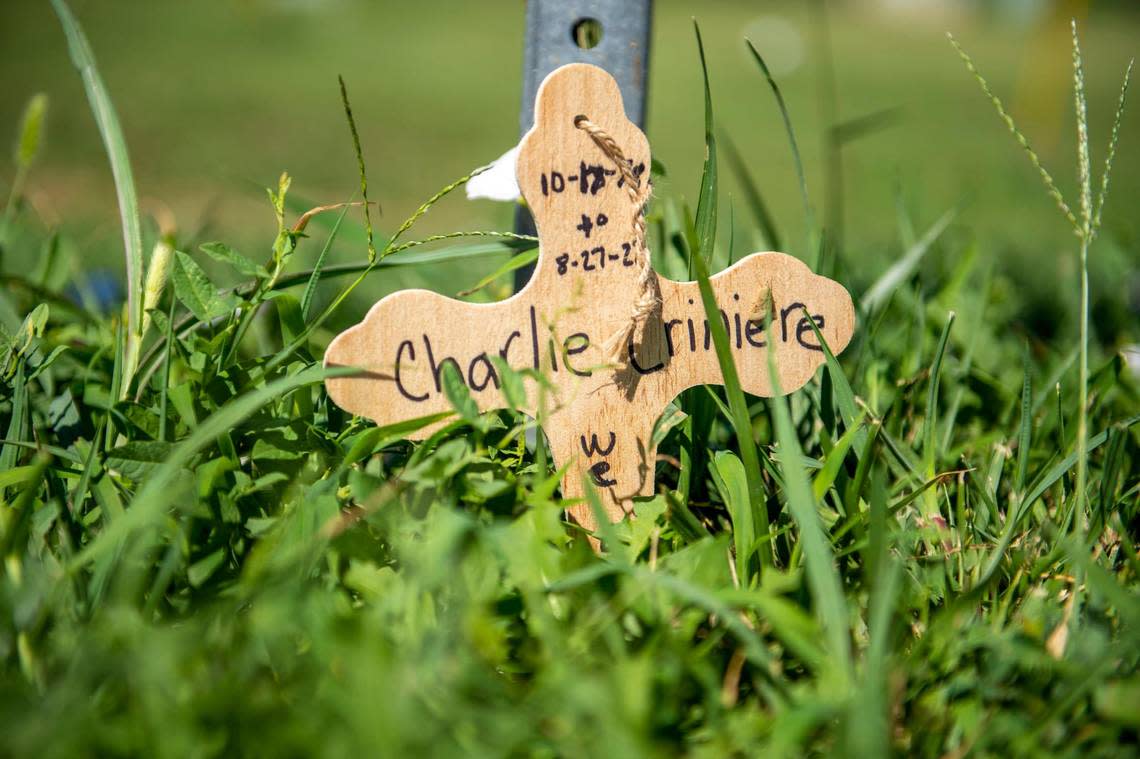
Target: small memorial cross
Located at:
point(614, 340)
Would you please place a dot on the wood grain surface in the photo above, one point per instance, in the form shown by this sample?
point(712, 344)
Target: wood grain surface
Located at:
point(598, 418)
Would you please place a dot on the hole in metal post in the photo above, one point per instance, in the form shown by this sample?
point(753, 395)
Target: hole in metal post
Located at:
point(586, 33)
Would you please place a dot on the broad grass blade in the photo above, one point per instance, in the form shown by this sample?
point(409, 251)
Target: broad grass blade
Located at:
point(116, 146)
point(822, 573)
point(741, 419)
point(315, 278)
point(880, 292)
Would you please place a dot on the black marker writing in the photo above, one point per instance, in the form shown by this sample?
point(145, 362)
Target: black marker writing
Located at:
point(594, 448)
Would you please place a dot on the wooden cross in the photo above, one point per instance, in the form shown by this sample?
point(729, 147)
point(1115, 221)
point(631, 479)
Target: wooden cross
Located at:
point(598, 417)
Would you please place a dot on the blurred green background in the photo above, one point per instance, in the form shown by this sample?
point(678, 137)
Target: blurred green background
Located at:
point(217, 97)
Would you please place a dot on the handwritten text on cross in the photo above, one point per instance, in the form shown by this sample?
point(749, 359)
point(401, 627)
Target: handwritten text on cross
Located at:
point(598, 419)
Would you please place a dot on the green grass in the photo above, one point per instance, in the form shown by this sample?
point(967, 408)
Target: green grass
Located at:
point(929, 550)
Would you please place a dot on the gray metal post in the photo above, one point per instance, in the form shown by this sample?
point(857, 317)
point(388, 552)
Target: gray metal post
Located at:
point(553, 31)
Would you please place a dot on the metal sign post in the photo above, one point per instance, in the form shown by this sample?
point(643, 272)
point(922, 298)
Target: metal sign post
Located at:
point(612, 34)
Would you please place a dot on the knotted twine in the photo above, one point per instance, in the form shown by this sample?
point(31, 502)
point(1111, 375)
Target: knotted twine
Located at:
point(648, 297)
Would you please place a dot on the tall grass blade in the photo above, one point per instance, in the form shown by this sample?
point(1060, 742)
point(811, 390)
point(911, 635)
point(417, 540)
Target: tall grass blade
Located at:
point(930, 426)
point(1025, 430)
point(801, 176)
point(869, 727)
point(880, 292)
point(877, 534)
point(829, 113)
point(834, 460)
point(706, 215)
point(701, 235)
point(700, 408)
point(975, 336)
point(854, 129)
point(318, 267)
point(819, 559)
point(164, 389)
point(752, 196)
point(360, 166)
point(741, 419)
point(116, 147)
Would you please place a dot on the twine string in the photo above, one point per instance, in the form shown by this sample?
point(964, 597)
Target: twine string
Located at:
point(648, 297)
